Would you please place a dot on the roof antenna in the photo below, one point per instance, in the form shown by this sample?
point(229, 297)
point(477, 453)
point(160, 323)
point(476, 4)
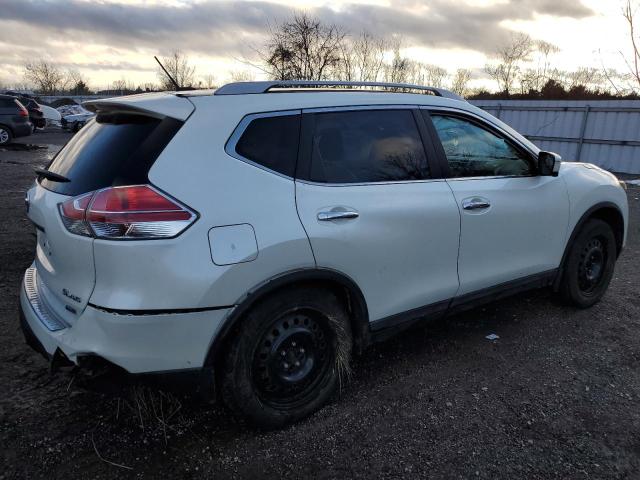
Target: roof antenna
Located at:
point(175, 84)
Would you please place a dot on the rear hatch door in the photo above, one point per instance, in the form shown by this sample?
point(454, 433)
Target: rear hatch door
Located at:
point(117, 147)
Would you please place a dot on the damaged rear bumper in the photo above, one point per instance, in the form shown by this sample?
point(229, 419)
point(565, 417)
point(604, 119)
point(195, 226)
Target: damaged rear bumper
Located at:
point(139, 344)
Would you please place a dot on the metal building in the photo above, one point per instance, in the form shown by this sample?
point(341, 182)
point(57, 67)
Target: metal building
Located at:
point(603, 132)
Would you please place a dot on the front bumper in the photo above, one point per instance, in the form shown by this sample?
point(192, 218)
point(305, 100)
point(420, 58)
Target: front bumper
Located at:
point(136, 343)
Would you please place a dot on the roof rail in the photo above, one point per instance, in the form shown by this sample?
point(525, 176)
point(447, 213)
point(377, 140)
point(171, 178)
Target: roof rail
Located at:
point(243, 88)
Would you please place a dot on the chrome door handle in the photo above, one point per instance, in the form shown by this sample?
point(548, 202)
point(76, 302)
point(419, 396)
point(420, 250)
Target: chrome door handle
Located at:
point(337, 215)
point(475, 204)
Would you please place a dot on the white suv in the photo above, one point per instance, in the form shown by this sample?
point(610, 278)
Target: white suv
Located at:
point(261, 233)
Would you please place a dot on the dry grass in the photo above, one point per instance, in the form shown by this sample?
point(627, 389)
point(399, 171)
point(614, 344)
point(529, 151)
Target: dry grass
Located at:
point(154, 411)
point(343, 351)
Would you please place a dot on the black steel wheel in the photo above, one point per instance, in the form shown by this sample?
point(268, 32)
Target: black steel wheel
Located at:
point(591, 267)
point(590, 264)
point(287, 356)
point(290, 357)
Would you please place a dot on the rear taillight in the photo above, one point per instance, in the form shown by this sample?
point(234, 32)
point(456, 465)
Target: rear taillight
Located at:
point(73, 213)
point(21, 110)
point(132, 212)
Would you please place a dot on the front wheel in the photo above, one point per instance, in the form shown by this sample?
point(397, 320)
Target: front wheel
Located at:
point(288, 356)
point(5, 135)
point(590, 264)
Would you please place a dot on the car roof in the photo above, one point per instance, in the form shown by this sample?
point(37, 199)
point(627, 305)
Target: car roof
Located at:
point(281, 95)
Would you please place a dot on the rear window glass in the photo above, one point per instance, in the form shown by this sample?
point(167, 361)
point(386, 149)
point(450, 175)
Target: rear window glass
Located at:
point(367, 146)
point(111, 150)
point(272, 142)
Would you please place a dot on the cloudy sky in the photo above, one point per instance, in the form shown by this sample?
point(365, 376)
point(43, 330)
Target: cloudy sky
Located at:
point(108, 40)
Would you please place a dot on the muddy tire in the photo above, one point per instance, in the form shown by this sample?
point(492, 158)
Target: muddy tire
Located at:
point(590, 265)
point(288, 357)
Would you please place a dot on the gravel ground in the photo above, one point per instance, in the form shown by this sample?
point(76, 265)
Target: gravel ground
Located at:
point(556, 396)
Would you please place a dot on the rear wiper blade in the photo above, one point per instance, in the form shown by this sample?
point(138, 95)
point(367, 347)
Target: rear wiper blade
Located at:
point(54, 177)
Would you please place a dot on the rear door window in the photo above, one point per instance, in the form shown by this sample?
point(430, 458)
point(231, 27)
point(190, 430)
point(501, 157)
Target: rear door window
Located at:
point(272, 142)
point(111, 150)
point(364, 146)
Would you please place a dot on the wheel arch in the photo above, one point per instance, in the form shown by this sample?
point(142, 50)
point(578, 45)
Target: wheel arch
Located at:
point(608, 212)
point(346, 289)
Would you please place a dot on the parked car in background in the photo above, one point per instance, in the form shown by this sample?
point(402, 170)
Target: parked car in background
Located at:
point(51, 115)
point(76, 121)
point(252, 238)
point(35, 113)
point(36, 117)
point(14, 119)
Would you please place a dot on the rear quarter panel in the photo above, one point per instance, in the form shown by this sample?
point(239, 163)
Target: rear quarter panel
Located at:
point(180, 273)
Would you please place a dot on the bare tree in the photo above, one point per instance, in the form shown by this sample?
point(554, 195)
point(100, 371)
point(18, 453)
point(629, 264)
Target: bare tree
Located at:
point(76, 83)
point(362, 58)
point(46, 77)
point(178, 66)
point(540, 71)
point(633, 63)
point(434, 75)
point(583, 76)
point(148, 87)
point(208, 81)
point(460, 82)
point(123, 87)
point(508, 60)
point(241, 76)
point(400, 68)
point(302, 48)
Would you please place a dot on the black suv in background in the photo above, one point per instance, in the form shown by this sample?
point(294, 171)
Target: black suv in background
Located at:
point(14, 119)
point(36, 117)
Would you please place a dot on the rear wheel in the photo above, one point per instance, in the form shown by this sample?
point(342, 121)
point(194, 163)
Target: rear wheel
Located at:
point(5, 135)
point(287, 358)
point(589, 267)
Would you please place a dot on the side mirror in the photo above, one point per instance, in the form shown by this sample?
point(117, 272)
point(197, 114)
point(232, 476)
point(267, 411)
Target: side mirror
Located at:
point(549, 163)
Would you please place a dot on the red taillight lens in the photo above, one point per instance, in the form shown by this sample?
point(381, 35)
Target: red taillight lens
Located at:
point(21, 110)
point(137, 211)
point(73, 213)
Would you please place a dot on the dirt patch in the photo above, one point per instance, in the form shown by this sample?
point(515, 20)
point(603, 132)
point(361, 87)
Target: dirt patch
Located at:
point(556, 396)
point(21, 147)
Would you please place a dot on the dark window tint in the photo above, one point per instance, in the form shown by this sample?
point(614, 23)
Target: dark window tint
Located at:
point(367, 146)
point(473, 151)
point(7, 103)
point(111, 150)
point(272, 142)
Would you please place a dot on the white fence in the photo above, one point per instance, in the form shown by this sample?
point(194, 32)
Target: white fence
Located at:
point(602, 132)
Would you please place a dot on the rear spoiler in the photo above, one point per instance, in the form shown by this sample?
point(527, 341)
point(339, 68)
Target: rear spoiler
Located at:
point(153, 104)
